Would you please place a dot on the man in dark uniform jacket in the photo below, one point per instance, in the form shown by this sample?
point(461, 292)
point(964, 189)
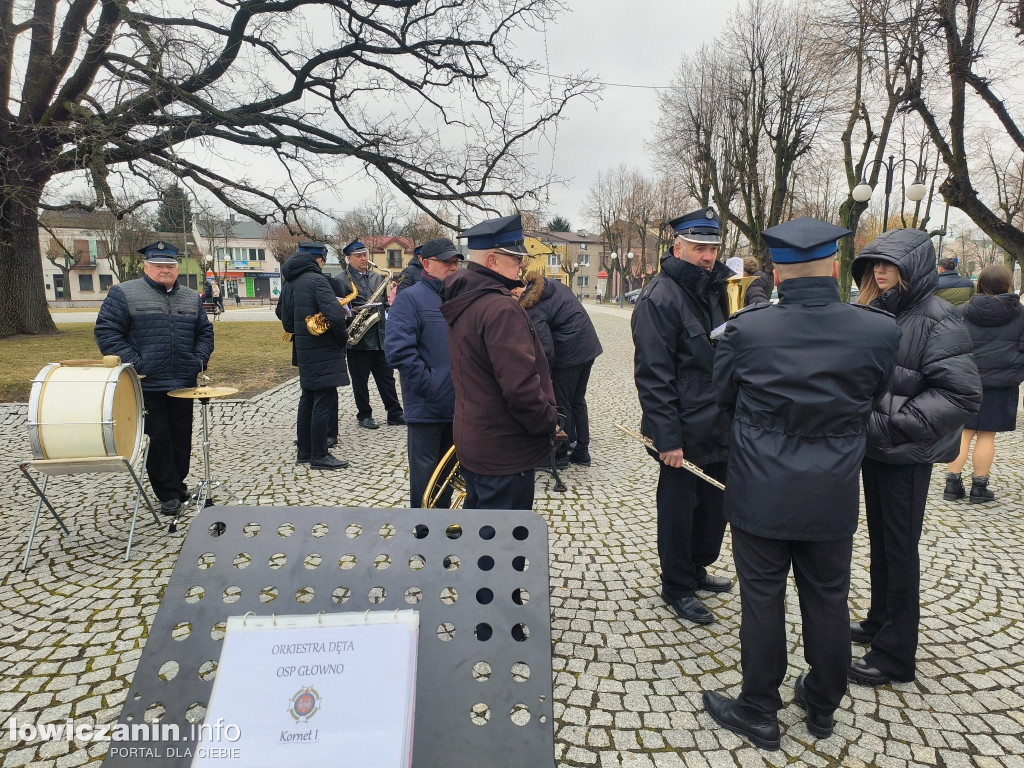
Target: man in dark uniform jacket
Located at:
point(413, 271)
point(672, 323)
point(505, 415)
point(800, 377)
point(367, 355)
point(160, 327)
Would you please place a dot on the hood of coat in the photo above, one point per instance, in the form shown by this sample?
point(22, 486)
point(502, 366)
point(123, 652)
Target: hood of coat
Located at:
point(536, 290)
point(912, 252)
point(462, 288)
point(992, 311)
point(299, 263)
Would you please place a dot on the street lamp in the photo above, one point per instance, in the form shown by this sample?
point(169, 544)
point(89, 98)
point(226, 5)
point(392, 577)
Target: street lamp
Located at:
point(915, 192)
point(622, 268)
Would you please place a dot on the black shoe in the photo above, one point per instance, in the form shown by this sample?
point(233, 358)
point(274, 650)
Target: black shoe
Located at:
point(331, 442)
point(302, 458)
point(580, 457)
point(954, 488)
point(860, 635)
point(710, 583)
point(170, 507)
point(368, 423)
point(862, 672)
point(690, 608)
point(561, 462)
point(980, 492)
point(819, 725)
point(763, 733)
point(327, 462)
point(396, 421)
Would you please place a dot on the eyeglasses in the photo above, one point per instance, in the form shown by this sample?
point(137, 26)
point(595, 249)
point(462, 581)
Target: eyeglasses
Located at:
point(519, 257)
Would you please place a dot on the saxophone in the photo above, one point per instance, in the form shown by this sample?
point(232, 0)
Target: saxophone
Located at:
point(318, 324)
point(366, 316)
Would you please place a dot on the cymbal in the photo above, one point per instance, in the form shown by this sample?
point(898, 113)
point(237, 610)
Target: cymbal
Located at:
point(202, 393)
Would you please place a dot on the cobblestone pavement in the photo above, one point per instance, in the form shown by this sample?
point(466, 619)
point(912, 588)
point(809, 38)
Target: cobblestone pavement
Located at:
point(628, 675)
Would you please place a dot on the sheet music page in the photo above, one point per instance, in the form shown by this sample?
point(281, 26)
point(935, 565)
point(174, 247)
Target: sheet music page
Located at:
point(339, 690)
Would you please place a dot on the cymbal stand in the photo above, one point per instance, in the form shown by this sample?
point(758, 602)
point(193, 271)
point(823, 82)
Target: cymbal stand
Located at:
point(202, 496)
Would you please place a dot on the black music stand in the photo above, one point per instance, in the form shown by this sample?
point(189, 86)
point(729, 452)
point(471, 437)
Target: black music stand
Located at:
point(479, 579)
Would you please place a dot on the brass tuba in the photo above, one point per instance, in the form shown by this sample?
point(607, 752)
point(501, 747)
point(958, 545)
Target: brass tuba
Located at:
point(366, 316)
point(736, 291)
point(447, 477)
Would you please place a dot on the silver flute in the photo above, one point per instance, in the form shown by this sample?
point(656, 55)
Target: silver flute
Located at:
point(687, 465)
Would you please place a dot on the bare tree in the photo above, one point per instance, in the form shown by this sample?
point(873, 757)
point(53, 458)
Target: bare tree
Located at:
point(425, 94)
point(124, 237)
point(743, 111)
point(976, 90)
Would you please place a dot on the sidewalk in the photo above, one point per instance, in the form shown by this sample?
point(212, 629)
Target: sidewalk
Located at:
point(628, 674)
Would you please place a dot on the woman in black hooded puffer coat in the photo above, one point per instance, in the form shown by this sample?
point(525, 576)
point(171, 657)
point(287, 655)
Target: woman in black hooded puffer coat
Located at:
point(935, 389)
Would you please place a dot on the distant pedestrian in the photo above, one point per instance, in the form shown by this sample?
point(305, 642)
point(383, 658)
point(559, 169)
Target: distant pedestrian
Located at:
point(953, 287)
point(995, 320)
point(238, 298)
point(761, 289)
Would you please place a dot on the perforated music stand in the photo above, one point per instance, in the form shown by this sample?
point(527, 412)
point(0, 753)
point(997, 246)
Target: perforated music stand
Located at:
point(479, 579)
point(48, 467)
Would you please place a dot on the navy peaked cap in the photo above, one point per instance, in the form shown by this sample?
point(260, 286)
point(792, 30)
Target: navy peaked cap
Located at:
point(505, 234)
point(317, 249)
point(700, 226)
point(441, 249)
point(356, 246)
point(803, 239)
point(160, 252)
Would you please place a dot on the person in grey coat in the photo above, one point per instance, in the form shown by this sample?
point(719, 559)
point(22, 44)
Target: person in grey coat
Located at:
point(320, 357)
point(935, 389)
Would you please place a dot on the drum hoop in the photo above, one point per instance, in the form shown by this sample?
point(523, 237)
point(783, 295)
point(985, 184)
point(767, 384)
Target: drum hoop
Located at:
point(33, 409)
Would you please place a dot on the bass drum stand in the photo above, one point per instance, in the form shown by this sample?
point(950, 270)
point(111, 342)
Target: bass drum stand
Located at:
point(202, 496)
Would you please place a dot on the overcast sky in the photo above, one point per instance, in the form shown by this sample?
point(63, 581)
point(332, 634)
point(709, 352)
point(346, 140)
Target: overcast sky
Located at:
point(636, 43)
point(633, 47)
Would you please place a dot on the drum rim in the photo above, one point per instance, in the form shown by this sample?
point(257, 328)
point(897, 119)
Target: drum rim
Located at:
point(33, 409)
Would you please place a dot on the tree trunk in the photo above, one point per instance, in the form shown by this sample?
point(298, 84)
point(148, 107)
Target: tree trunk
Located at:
point(23, 306)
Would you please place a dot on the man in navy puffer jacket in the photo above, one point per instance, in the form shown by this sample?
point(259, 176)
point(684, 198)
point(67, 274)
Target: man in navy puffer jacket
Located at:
point(416, 344)
point(160, 328)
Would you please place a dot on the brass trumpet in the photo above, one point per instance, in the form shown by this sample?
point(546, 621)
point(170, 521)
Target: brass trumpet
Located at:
point(736, 291)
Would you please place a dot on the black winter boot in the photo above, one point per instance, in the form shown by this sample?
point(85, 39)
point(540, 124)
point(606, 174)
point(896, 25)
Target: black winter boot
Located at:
point(979, 490)
point(954, 487)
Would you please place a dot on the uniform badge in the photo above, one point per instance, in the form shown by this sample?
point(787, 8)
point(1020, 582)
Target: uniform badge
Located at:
point(304, 705)
point(160, 246)
point(710, 213)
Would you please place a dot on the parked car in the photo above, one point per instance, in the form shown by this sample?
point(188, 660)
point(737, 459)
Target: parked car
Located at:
point(632, 296)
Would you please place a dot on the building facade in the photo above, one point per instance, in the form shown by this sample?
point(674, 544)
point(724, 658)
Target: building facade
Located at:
point(239, 254)
point(562, 253)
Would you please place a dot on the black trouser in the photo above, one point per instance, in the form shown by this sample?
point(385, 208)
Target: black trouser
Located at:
point(363, 362)
point(169, 426)
point(316, 409)
point(427, 443)
point(821, 570)
point(894, 498)
point(499, 491)
point(570, 385)
point(690, 527)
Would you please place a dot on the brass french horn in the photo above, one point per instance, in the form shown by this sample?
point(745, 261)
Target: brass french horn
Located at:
point(447, 476)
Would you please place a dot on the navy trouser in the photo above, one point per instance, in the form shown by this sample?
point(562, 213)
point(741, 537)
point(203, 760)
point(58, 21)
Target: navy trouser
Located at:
point(169, 426)
point(427, 443)
point(363, 362)
point(690, 527)
point(499, 491)
point(317, 407)
point(894, 499)
point(821, 570)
